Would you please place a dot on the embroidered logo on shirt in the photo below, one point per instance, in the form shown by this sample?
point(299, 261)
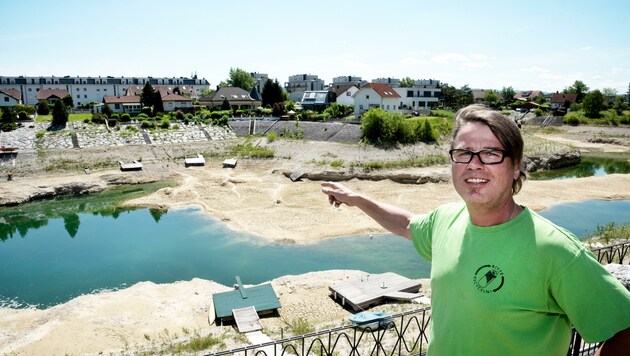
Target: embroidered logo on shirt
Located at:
point(488, 278)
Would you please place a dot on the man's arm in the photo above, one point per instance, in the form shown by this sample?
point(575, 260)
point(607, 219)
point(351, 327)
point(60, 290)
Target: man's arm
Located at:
point(394, 219)
point(619, 344)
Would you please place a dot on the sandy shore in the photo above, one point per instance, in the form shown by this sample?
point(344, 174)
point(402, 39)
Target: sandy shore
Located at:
point(255, 197)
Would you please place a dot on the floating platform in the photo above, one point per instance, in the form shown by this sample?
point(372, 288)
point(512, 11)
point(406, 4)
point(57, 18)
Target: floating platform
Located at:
point(374, 290)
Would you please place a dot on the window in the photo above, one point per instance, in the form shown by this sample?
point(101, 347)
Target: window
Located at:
point(30, 89)
point(410, 93)
point(367, 97)
point(84, 89)
point(98, 89)
point(360, 107)
point(78, 96)
point(85, 96)
point(6, 99)
point(348, 93)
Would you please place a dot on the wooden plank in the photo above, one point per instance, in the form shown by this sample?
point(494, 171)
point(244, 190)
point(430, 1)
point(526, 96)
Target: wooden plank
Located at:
point(402, 295)
point(247, 319)
point(240, 287)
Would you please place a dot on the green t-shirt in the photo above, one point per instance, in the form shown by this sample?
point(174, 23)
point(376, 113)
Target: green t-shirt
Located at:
point(513, 288)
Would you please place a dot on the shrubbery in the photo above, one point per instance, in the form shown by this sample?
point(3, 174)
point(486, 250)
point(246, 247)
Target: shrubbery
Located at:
point(386, 128)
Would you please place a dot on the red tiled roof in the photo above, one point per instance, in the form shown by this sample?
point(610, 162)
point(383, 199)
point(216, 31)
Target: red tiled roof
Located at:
point(45, 94)
point(164, 90)
point(384, 90)
point(128, 99)
point(175, 97)
point(15, 94)
point(564, 98)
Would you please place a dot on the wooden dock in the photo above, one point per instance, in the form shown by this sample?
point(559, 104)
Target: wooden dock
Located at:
point(374, 290)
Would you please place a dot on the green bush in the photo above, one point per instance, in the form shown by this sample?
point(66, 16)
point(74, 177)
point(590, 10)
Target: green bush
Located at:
point(165, 123)
point(125, 117)
point(573, 118)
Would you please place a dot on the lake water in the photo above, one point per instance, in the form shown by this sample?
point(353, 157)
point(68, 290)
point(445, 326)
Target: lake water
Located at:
point(54, 251)
point(588, 166)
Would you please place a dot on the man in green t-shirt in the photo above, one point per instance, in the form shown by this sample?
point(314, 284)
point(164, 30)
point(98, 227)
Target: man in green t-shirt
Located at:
point(504, 280)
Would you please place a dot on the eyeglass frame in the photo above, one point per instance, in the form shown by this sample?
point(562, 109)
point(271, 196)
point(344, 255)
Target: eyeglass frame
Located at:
point(478, 154)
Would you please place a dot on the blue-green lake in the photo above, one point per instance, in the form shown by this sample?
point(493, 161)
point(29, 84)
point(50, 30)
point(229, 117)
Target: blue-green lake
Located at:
point(51, 252)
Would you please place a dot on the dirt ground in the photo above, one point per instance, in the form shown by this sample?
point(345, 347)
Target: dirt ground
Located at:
point(255, 196)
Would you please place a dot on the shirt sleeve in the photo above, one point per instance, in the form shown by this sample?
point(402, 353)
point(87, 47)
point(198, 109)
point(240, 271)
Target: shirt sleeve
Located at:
point(421, 234)
point(595, 302)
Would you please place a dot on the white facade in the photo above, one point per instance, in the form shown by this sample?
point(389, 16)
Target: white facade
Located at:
point(90, 89)
point(393, 82)
point(418, 98)
point(348, 79)
point(8, 100)
point(347, 97)
point(367, 98)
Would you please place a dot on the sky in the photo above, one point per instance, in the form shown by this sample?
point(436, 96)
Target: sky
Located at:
point(532, 45)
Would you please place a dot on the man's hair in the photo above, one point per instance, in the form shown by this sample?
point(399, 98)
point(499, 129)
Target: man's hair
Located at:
point(504, 129)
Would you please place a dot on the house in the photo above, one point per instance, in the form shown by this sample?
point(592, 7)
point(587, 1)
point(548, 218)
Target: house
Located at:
point(165, 90)
point(174, 102)
point(51, 95)
point(10, 97)
point(480, 94)
point(344, 93)
point(528, 95)
point(375, 95)
point(238, 98)
point(424, 95)
point(562, 102)
point(317, 100)
point(123, 104)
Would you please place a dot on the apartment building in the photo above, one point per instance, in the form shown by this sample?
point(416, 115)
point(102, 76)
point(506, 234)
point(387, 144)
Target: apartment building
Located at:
point(300, 83)
point(91, 89)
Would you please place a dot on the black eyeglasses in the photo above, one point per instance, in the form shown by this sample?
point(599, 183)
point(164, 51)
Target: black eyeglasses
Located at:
point(490, 156)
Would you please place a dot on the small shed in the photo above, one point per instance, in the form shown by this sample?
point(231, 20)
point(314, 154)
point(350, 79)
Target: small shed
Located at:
point(134, 166)
point(262, 297)
point(195, 161)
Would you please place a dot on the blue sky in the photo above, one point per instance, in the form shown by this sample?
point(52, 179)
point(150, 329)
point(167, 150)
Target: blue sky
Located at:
point(544, 45)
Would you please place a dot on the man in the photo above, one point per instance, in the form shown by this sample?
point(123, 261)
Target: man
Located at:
point(504, 280)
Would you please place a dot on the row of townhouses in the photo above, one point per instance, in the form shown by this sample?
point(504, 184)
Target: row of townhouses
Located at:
point(123, 94)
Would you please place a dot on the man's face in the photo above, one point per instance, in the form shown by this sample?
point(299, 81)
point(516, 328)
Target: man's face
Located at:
point(482, 185)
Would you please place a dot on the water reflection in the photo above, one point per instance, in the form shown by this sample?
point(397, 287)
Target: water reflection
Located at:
point(589, 166)
point(22, 218)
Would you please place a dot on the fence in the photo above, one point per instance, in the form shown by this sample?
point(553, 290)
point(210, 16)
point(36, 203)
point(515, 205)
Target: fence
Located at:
point(406, 335)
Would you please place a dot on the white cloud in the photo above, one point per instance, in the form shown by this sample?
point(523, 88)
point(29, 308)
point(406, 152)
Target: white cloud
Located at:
point(534, 70)
point(413, 61)
point(586, 48)
point(450, 57)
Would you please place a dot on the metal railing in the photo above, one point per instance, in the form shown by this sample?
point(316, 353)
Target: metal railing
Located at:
point(406, 334)
point(618, 253)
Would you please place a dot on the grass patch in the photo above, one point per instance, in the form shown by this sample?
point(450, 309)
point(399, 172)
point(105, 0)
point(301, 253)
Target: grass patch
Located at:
point(299, 326)
point(405, 163)
point(249, 150)
point(610, 233)
point(71, 117)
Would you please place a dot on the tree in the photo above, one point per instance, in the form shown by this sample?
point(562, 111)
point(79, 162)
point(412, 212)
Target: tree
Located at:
point(272, 93)
point(106, 110)
point(240, 78)
point(225, 105)
point(59, 114)
point(67, 101)
point(491, 98)
point(449, 96)
point(593, 103)
point(465, 97)
point(407, 82)
point(578, 88)
point(619, 105)
point(508, 95)
point(147, 97)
